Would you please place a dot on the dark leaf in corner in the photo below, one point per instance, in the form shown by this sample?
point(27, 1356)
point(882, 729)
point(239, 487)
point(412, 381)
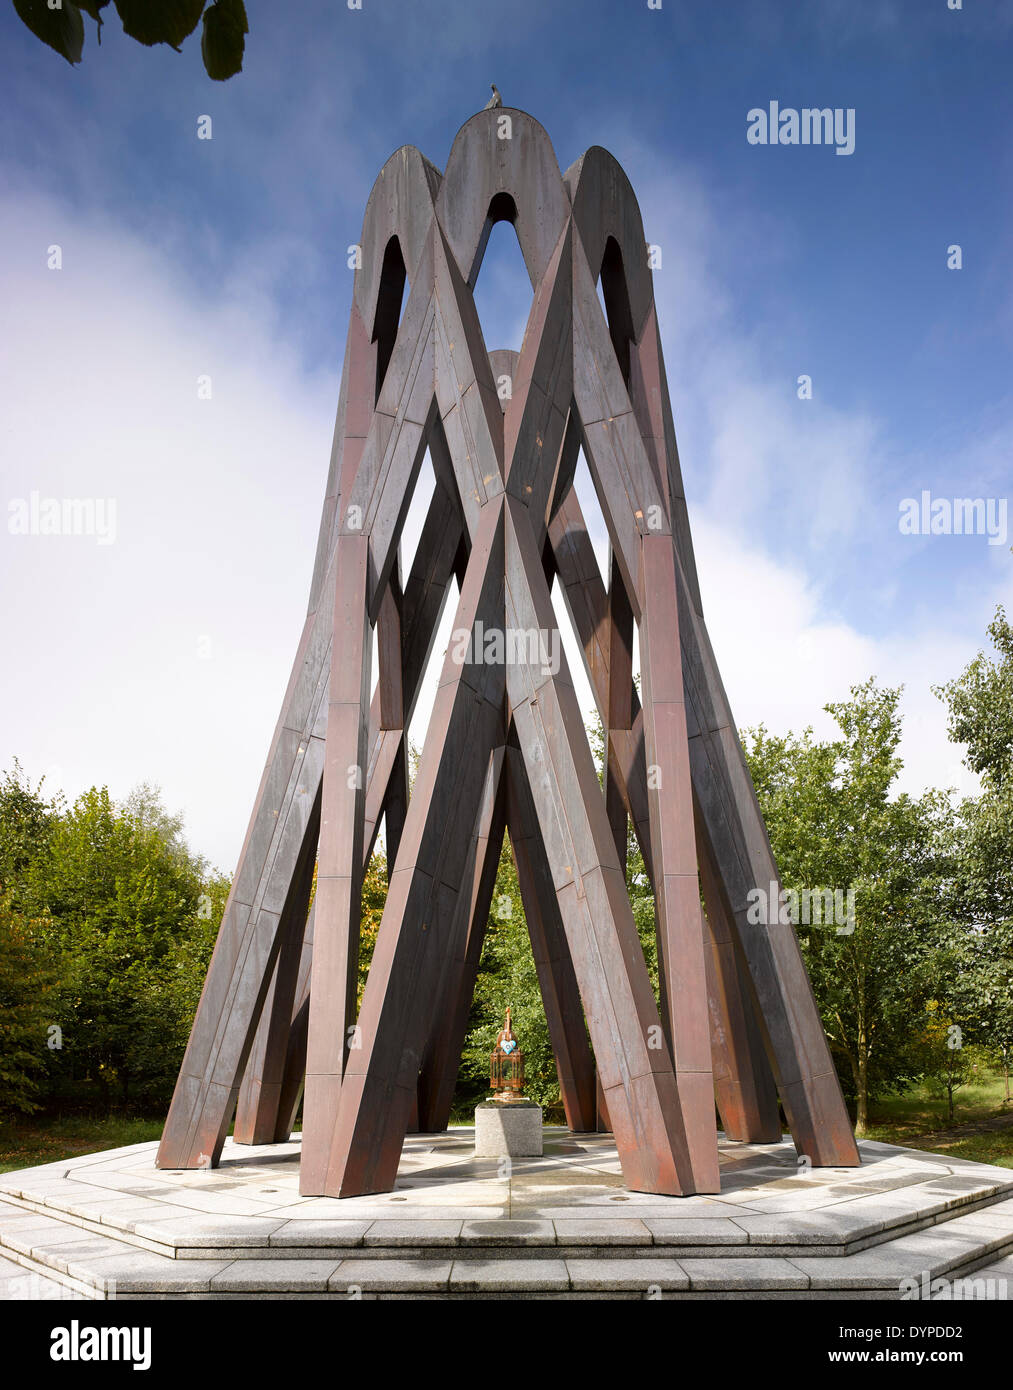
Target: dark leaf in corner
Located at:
point(62, 29)
point(222, 41)
point(159, 21)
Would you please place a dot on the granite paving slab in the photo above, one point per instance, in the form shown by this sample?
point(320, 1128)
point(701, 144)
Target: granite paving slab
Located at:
point(769, 1216)
point(140, 1271)
point(1000, 1272)
point(884, 1266)
point(55, 1248)
point(627, 1275)
point(729, 1273)
point(21, 1236)
point(25, 1285)
point(197, 1230)
point(583, 1231)
point(508, 1232)
point(508, 1276)
point(398, 1233)
point(674, 1230)
point(329, 1233)
point(257, 1276)
point(832, 1226)
point(391, 1276)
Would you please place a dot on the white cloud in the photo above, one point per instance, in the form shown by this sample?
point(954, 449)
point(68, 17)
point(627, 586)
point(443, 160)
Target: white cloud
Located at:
point(218, 504)
point(781, 492)
point(217, 507)
point(783, 657)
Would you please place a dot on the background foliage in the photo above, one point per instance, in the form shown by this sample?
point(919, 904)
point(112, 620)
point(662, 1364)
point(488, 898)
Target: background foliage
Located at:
point(108, 919)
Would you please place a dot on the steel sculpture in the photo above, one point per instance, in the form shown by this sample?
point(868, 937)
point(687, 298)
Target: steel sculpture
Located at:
point(506, 746)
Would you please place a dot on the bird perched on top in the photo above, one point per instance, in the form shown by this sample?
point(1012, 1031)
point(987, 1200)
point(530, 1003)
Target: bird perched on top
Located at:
point(495, 100)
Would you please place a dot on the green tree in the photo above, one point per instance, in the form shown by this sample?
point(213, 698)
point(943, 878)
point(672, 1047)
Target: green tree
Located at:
point(638, 883)
point(27, 973)
point(187, 966)
point(27, 979)
point(507, 976)
point(946, 1062)
point(130, 922)
point(980, 703)
point(835, 823)
point(27, 820)
point(374, 897)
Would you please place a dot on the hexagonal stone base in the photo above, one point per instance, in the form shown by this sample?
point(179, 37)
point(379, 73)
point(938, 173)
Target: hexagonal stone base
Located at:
point(559, 1225)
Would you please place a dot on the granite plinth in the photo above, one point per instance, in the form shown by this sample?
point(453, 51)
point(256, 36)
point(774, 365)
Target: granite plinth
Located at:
point(508, 1129)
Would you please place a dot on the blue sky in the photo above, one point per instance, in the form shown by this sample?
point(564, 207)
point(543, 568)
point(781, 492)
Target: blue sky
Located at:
point(228, 257)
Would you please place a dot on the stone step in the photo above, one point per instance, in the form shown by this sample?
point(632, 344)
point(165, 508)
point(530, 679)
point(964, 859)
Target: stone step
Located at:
point(24, 1280)
point(562, 1225)
point(831, 1233)
point(97, 1265)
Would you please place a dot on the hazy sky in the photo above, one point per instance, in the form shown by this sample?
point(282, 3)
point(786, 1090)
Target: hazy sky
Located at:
point(163, 654)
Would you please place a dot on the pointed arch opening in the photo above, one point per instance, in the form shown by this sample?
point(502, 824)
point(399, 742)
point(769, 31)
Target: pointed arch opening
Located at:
point(504, 291)
point(390, 302)
point(614, 294)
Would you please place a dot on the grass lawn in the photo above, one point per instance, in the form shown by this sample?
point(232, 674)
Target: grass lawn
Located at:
point(982, 1128)
point(34, 1141)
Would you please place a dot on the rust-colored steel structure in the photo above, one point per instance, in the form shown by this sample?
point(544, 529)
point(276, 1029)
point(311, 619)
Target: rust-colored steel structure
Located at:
point(505, 748)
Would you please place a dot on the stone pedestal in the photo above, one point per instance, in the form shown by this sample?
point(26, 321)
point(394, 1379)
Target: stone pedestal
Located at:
point(508, 1129)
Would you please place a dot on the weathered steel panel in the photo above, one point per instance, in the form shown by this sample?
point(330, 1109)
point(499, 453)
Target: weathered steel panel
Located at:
point(735, 996)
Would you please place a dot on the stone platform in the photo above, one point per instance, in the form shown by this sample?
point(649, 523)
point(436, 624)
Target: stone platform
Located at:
point(110, 1225)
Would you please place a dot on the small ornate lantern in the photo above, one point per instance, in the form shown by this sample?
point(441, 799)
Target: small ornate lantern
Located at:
point(506, 1066)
